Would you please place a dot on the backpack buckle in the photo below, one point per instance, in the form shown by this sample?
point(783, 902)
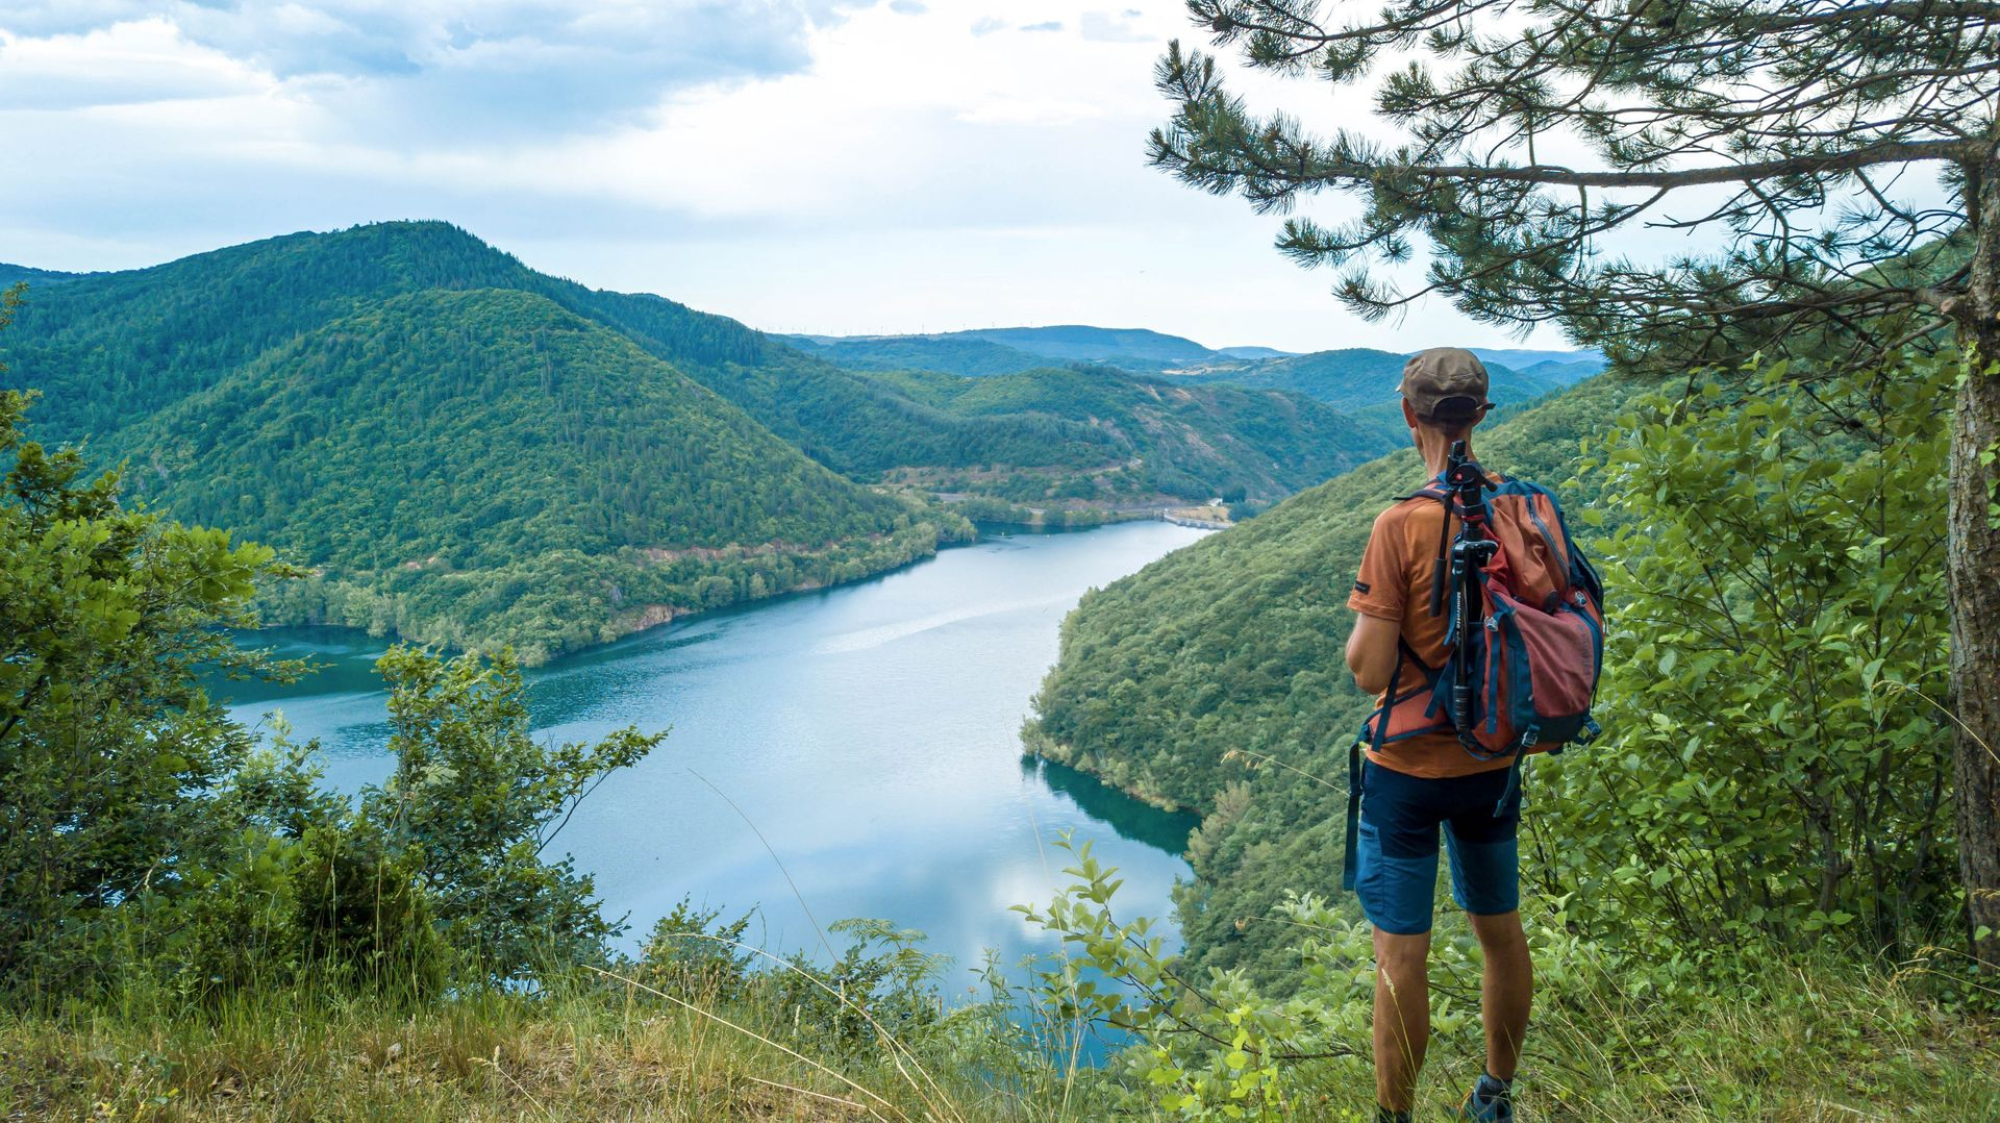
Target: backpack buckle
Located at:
point(1529, 738)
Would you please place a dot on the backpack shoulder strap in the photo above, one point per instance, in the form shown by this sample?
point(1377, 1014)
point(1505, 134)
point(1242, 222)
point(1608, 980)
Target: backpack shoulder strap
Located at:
point(1443, 497)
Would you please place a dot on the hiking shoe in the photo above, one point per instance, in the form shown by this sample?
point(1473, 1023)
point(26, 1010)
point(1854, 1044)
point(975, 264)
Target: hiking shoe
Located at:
point(1489, 1102)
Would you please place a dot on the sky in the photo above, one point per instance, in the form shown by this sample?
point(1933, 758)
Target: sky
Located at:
point(827, 166)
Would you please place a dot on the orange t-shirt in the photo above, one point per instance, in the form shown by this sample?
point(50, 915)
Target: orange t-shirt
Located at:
point(1395, 584)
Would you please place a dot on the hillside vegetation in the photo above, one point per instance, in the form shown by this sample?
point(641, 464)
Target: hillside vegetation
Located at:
point(110, 348)
point(466, 451)
point(472, 466)
point(1168, 439)
point(1361, 379)
point(478, 427)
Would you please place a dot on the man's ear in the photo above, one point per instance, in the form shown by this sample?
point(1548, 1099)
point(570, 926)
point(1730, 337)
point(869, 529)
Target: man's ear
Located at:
point(1409, 415)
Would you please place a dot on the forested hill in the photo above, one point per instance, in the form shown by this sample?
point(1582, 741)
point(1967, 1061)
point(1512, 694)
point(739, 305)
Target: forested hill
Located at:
point(1361, 379)
point(1169, 438)
point(14, 274)
point(973, 358)
point(982, 351)
point(1348, 377)
point(479, 466)
point(109, 348)
point(456, 451)
point(469, 429)
point(1235, 643)
point(324, 392)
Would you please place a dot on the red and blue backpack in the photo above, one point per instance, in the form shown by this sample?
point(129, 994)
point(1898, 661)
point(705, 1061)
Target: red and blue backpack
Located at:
point(1525, 642)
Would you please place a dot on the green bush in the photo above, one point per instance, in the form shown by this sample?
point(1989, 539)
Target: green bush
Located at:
point(474, 802)
point(146, 840)
point(1778, 764)
point(114, 765)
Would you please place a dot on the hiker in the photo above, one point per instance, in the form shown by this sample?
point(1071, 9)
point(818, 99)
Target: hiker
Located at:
point(1428, 767)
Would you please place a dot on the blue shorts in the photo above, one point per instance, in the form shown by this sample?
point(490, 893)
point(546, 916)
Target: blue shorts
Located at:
point(1396, 878)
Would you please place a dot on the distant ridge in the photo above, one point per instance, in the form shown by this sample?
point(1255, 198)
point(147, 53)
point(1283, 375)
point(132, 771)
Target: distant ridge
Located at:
point(1082, 343)
point(988, 351)
point(1522, 359)
point(14, 274)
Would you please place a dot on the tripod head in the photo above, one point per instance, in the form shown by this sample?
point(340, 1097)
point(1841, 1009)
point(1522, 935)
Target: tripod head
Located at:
point(1467, 482)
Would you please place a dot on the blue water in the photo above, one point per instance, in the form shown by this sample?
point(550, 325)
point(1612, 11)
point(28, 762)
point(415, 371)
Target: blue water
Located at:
point(870, 733)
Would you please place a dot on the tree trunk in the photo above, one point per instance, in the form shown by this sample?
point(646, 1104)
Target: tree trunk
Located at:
point(1973, 564)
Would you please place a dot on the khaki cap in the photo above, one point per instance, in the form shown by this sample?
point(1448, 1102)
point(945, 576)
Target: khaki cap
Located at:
point(1445, 385)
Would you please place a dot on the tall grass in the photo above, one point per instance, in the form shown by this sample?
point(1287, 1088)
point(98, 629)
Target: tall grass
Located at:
point(1792, 1043)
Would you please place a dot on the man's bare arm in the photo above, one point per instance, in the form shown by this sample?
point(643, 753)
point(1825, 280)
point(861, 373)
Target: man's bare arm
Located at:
point(1371, 652)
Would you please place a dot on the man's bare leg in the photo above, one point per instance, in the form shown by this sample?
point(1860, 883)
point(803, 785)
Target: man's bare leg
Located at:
point(1402, 1015)
point(1505, 993)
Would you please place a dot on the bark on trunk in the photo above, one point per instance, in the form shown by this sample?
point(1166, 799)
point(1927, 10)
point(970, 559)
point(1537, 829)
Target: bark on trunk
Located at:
point(1973, 563)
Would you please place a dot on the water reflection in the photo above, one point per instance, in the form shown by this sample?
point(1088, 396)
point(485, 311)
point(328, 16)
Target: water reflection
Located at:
point(867, 733)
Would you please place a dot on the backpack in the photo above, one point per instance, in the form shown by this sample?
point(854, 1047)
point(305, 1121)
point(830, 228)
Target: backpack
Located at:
point(1526, 636)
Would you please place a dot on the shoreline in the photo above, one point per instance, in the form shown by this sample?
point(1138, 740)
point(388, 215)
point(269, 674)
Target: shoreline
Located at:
point(982, 531)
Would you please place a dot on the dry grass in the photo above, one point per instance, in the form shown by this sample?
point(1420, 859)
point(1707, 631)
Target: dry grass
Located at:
point(1794, 1046)
point(489, 1059)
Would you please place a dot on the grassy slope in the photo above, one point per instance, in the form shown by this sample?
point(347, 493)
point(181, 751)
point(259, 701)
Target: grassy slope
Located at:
point(1234, 643)
point(1796, 1044)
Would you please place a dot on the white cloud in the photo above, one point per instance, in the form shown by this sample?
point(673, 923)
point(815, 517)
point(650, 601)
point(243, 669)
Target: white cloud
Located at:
point(1114, 27)
point(128, 63)
point(802, 165)
point(433, 68)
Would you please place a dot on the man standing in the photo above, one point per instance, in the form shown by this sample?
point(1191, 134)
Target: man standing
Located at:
point(1427, 779)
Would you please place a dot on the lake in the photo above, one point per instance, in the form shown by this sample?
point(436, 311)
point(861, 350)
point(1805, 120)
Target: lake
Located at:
point(869, 732)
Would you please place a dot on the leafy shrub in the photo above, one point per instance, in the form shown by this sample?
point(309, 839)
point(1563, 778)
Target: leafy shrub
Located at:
point(145, 837)
point(474, 802)
point(693, 953)
point(1778, 765)
point(113, 762)
point(883, 984)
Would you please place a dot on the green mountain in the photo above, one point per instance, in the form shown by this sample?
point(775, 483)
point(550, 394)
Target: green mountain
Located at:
point(191, 370)
point(986, 351)
point(1349, 378)
point(1362, 379)
point(1178, 683)
point(477, 427)
point(462, 450)
point(15, 274)
point(1523, 358)
point(972, 358)
point(107, 348)
point(1168, 439)
point(1083, 344)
